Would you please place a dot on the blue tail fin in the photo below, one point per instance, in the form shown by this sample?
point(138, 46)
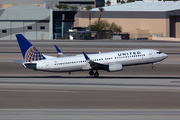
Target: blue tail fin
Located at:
point(29, 52)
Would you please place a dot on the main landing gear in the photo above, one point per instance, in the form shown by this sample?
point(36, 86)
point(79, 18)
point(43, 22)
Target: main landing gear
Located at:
point(96, 74)
point(91, 73)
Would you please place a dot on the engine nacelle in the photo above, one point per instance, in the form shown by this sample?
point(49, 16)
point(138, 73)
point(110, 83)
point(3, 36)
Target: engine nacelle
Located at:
point(115, 67)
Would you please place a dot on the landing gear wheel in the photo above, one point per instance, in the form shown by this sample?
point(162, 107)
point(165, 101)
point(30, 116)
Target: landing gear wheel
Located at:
point(153, 67)
point(96, 74)
point(91, 73)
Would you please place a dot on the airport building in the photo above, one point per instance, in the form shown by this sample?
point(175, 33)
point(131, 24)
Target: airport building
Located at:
point(50, 3)
point(38, 19)
point(146, 17)
point(83, 3)
point(32, 21)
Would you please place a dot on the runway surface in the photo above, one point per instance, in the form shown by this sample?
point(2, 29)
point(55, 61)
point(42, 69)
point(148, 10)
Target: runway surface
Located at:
point(80, 93)
point(84, 114)
point(134, 93)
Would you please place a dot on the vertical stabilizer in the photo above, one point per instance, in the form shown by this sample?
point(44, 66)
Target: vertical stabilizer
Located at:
point(29, 52)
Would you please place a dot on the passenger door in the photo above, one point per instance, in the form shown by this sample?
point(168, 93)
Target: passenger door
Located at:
point(151, 54)
point(46, 64)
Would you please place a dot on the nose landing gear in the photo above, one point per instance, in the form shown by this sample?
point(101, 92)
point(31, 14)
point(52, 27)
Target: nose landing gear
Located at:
point(153, 67)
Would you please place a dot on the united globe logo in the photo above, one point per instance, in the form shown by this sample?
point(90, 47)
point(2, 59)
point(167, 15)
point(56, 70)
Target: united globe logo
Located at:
point(32, 54)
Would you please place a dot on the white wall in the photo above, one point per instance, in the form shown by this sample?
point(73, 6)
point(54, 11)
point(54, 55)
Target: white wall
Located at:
point(16, 28)
point(42, 34)
point(17, 19)
point(30, 33)
point(21, 27)
point(113, 2)
point(4, 25)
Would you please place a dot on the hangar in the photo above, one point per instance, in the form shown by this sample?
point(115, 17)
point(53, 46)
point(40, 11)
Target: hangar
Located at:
point(155, 17)
point(31, 21)
point(38, 19)
point(34, 22)
point(79, 3)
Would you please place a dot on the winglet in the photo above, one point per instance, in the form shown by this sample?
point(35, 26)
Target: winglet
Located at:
point(86, 57)
point(58, 50)
point(60, 53)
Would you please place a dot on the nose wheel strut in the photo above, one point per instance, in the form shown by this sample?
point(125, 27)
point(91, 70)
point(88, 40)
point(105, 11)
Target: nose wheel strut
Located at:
point(153, 67)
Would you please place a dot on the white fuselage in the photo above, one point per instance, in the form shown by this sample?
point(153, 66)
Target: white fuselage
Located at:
point(79, 63)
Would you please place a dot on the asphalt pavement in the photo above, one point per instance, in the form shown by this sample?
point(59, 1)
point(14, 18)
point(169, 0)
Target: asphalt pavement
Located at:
point(137, 92)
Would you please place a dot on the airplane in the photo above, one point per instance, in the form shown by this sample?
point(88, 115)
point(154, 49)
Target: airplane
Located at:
point(108, 61)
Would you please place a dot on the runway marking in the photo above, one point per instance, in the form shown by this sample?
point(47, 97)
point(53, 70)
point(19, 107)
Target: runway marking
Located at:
point(91, 84)
point(175, 81)
point(33, 91)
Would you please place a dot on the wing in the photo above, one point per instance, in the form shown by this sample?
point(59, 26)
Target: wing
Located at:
point(95, 65)
point(48, 57)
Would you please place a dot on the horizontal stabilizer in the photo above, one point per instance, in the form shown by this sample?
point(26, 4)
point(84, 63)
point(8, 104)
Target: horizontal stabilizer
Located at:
point(18, 61)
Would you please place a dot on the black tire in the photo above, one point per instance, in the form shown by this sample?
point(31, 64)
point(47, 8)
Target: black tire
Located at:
point(153, 67)
point(96, 74)
point(91, 73)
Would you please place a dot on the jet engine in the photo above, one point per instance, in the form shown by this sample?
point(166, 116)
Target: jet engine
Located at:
point(115, 67)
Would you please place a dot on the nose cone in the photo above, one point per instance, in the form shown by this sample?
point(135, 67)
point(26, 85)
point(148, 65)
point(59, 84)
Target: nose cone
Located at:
point(164, 55)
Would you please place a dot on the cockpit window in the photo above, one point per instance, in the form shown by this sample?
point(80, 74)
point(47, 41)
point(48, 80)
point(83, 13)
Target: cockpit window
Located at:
point(159, 52)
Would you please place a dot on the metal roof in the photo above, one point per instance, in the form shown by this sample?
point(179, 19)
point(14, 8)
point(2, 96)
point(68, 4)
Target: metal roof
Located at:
point(25, 12)
point(144, 6)
point(23, 7)
point(36, 1)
